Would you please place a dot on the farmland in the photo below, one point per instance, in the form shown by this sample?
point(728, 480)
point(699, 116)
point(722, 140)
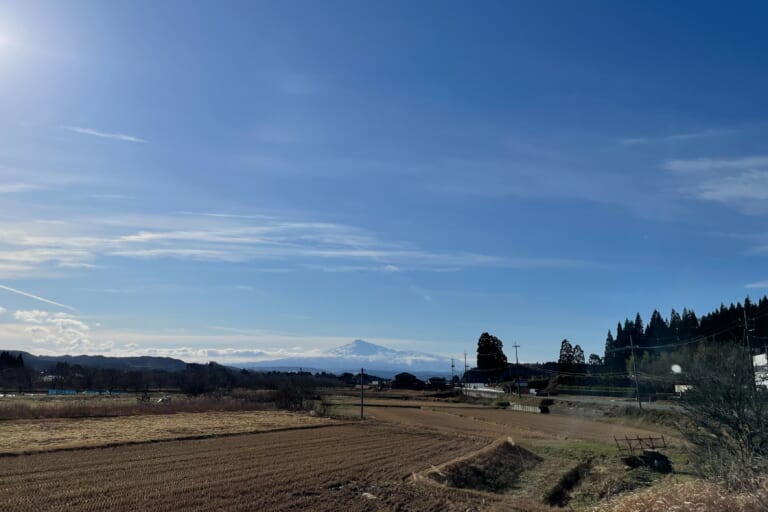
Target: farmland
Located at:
point(396, 459)
point(493, 423)
point(320, 469)
point(27, 436)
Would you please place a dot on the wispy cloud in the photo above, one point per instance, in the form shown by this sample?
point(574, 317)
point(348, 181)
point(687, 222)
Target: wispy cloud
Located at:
point(761, 249)
point(297, 245)
point(740, 183)
point(746, 186)
point(758, 284)
point(710, 164)
point(674, 137)
point(75, 264)
point(107, 196)
point(179, 253)
point(107, 135)
point(36, 297)
point(16, 270)
point(14, 188)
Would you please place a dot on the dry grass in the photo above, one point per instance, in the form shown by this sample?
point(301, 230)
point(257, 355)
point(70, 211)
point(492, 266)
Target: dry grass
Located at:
point(695, 496)
point(45, 407)
point(27, 436)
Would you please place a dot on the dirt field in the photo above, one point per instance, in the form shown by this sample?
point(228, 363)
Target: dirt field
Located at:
point(344, 467)
point(337, 465)
point(26, 436)
point(495, 423)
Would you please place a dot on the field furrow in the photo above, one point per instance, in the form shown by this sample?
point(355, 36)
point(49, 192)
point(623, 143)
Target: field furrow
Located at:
point(352, 467)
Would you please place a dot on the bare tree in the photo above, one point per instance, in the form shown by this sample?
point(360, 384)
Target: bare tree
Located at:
point(726, 415)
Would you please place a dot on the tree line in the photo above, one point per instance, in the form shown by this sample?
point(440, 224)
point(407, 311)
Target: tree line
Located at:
point(10, 361)
point(725, 325)
point(195, 379)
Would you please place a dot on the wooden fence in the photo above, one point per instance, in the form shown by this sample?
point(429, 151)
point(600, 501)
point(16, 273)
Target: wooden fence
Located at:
point(636, 445)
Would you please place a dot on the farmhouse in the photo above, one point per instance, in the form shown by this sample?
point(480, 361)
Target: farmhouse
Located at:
point(475, 379)
point(437, 383)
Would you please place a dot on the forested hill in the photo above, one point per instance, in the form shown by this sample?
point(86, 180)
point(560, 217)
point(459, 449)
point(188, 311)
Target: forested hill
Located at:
point(142, 363)
point(724, 325)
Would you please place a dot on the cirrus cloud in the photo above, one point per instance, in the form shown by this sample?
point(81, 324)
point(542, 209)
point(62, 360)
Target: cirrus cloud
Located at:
point(105, 135)
point(298, 245)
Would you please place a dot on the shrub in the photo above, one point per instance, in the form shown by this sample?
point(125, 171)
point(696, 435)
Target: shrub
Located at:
point(727, 416)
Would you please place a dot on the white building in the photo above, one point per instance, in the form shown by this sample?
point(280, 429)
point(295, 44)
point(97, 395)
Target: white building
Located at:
point(761, 370)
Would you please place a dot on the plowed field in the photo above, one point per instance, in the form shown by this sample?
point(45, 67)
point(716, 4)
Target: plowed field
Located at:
point(340, 467)
point(275, 461)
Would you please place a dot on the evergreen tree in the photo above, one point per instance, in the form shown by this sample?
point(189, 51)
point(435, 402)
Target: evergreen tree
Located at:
point(490, 354)
point(760, 316)
point(8, 360)
point(638, 332)
point(689, 326)
point(609, 357)
point(722, 325)
point(657, 331)
point(674, 324)
point(594, 360)
point(578, 356)
point(566, 353)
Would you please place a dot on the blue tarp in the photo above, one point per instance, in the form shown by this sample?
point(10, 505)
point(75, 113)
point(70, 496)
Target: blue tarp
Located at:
point(62, 392)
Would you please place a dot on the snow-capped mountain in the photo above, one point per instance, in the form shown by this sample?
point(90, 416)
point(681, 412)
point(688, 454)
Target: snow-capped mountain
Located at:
point(376, 359)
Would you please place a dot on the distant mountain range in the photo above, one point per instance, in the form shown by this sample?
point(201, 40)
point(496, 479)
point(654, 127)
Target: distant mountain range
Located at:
point(375, 359)
point(142, 363)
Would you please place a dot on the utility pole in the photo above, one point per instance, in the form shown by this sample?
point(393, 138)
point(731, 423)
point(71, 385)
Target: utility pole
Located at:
point(362, 393)
point(453, 371)
point(634, 370)
point(517, 369)
point(749, 351)
point(464, 375)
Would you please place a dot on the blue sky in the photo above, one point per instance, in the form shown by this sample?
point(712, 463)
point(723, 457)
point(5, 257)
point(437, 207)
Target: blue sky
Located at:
point(247, 180)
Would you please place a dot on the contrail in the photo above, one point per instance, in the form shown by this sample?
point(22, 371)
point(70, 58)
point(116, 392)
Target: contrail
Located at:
point(41, 299)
